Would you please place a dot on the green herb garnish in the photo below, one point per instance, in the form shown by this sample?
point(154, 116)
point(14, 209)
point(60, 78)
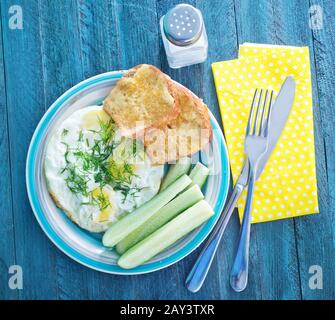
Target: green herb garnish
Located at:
point(97, 197)
point(65, 132)
point(81, 136)
point(127, 191)
point(76, 181)
point(99, 162)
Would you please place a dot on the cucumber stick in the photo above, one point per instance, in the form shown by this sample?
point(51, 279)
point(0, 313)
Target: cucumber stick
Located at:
point(133, 220)
point(199, 174)
point(166, 235)
point(182, 166)
point(161, 217)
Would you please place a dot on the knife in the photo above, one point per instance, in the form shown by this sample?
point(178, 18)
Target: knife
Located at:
point(280, 112)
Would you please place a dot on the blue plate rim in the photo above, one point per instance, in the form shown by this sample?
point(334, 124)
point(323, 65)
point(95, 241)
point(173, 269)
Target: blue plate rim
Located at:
point(68, 250)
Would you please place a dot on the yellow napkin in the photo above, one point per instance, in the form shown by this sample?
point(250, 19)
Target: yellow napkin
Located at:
point(287, 186)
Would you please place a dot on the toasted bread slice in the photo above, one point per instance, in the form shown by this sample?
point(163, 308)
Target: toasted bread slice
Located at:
point(143, 98)
point(185, 135)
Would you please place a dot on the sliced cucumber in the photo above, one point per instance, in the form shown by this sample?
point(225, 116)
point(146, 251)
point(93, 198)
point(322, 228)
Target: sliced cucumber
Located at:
point(199, 174)
point(133, 220)
point(182, 166)
point(166, 235)
point(161, 217)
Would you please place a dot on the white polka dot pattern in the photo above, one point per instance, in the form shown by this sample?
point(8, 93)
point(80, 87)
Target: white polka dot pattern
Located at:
point(287, 187)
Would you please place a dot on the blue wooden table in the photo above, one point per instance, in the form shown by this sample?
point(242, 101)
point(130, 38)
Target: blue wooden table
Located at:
point(65, 41)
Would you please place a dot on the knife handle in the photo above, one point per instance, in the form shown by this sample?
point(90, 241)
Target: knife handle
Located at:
point(197, 275)
point(239, 272)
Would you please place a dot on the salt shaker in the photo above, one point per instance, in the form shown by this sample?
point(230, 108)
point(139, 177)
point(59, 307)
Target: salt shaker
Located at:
point(184, 36)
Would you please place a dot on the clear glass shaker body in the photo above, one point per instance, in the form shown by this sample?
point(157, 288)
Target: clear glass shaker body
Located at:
point(184, 36)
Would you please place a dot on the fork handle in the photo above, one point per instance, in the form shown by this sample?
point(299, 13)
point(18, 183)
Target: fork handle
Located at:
point(239, 272)
point(197, 275)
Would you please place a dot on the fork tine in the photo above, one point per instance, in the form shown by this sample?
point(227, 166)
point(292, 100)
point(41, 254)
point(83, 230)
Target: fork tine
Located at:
point(251, 113)
point(262, 123)
point(266, 129)
point(257, 112)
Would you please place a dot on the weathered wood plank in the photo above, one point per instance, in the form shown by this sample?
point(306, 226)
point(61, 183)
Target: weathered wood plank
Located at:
point(188, 76)
point(220, 19)
point(117, 35)
point(62, 68)
point(274, 244)
point(7, 240)
point(100, 50)
point(316, 234)
point(137, 32)
point(222, 45)
point(99, 36)
point(25, 106)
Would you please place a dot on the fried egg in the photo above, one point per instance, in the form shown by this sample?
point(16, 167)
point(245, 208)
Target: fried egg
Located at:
point(94, 174)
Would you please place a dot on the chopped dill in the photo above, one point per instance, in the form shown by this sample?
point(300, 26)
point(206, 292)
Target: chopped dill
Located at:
point(134, 149)
point(101, 200)
point(97, 197)
point(127, 191)
point(66, 153)
point(81, 136)
point(98, 161)
point(75, 181)
point(107, 131)
point(65, 132)
point(121, 171)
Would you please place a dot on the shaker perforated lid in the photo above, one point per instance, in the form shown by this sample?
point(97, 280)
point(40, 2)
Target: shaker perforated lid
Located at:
point(183, 25)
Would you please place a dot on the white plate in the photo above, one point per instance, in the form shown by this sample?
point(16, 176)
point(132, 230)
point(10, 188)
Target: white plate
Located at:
point(86, 247)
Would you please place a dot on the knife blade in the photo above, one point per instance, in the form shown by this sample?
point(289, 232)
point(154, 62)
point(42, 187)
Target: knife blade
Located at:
point(280, 112)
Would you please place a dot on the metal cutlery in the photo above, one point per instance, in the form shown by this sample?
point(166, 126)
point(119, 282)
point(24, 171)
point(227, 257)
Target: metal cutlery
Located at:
point(255, 145)
point(280, 112)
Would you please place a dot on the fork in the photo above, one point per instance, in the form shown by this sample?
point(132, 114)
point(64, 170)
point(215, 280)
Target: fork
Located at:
point(255, 146)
